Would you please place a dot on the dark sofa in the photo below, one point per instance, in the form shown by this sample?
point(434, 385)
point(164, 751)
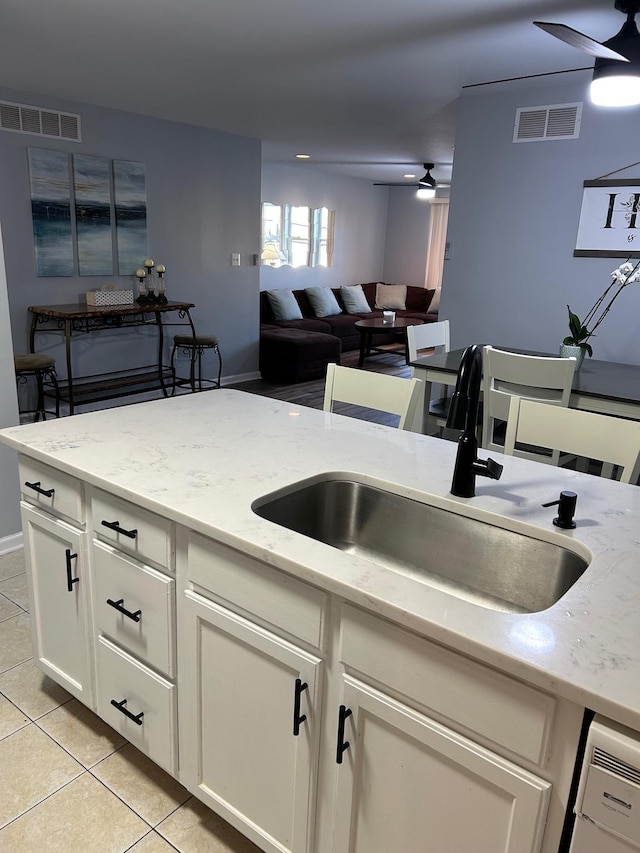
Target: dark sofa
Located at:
point(297, 350)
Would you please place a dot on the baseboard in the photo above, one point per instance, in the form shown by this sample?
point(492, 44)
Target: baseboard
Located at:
point(11, 543)
point(240, 377)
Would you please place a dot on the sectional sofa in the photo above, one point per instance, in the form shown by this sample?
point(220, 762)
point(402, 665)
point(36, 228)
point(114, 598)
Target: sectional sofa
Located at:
point(294, 350)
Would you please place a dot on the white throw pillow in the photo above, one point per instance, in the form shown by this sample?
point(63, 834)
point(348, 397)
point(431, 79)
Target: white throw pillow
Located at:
point(284, 305)
point(391, 297)
point(434, 305)
point(323, 301)
point(354, 299)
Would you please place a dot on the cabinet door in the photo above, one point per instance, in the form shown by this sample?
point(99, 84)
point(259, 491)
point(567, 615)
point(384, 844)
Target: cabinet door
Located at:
point(249, 731)
point(408, 783)
point(56, 559)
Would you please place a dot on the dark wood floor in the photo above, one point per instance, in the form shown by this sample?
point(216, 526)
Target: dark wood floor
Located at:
point(312, 393)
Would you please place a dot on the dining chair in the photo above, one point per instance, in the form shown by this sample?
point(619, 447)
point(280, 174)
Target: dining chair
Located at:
point(610, 440)
point(433, 337)
point(504, 374)
point(380, 391)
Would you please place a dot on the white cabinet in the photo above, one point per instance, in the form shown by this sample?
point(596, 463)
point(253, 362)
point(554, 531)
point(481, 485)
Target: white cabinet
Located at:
point(52, 519)
point(310, 724)
point(137, 702)
point(408, 783)
point(55, 552)
point(253, 723)
point(133, 607)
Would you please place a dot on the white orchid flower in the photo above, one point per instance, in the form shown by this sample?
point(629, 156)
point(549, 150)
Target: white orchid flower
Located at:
point(625, 274)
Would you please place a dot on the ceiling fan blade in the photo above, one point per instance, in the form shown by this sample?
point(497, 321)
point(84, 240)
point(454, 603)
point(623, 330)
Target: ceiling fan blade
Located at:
point(579, 40)
point(415, 186)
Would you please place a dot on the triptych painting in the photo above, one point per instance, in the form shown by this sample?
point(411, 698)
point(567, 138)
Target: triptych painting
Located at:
point(87, 208)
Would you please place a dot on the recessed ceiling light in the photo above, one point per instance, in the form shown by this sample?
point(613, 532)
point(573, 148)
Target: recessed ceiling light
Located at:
point(303, 156)
point(408, 176)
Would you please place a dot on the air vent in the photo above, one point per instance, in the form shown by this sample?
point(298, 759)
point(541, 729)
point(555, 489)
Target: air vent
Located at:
point(615, 765)
point(22, 118)
point(541, 124)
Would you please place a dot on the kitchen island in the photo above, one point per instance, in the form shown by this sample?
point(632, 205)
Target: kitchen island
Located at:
point(394, 668)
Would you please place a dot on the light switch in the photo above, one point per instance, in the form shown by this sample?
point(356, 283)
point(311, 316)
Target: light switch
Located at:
point(235, 259)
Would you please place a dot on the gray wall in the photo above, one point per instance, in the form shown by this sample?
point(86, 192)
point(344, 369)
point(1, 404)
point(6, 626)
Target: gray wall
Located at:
point(514, 218)
point(9, 506)
point(361, 217)
point(203, 196)
point(405, 258)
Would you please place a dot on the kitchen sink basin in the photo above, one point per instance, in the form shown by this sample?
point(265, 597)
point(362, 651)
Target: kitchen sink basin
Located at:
point(479, 561)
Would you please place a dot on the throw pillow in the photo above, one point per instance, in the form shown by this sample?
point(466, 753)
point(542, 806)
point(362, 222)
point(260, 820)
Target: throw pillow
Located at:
point(284, 305)
point(434, 305)
point(323, 301)
point(354, 299)
point(392, 297)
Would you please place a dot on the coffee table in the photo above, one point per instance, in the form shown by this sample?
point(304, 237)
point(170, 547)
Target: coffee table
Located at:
point(369, 328)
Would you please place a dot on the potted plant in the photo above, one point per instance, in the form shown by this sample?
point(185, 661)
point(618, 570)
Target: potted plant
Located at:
point(577, 343)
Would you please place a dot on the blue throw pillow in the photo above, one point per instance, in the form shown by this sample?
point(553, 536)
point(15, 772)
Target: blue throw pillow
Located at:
point(323, 301)
point(284, 305)
point(354, 300)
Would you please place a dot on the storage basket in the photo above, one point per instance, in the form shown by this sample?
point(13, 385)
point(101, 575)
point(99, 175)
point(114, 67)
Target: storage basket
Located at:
point(109, 294)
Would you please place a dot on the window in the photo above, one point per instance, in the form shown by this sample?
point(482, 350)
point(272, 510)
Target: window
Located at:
point(299, 237)
point(296, 235)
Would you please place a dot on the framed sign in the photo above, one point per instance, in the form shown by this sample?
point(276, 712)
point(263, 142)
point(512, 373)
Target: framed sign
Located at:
point(609, 220)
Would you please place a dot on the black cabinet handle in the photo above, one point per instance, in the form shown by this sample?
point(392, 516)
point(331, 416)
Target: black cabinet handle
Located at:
point(115, 525)
point(343, 744)
point(118, 606)
point(137, 718)
point(48, 493)
point(70, 579)
point(298, 719)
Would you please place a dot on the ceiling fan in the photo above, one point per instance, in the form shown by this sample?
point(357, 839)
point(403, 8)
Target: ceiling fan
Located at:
point(426, 185)
point(616, 74)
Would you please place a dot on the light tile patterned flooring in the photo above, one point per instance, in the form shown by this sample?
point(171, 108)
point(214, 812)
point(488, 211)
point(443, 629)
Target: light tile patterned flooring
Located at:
point(68, 782)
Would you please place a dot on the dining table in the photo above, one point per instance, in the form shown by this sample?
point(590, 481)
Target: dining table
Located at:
point(607, 387)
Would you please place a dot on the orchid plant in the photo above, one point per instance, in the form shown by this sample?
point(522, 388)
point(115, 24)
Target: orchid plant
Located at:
point(580, 332)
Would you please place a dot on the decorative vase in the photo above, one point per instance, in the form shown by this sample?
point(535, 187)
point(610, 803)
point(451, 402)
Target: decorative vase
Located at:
point(569, 350)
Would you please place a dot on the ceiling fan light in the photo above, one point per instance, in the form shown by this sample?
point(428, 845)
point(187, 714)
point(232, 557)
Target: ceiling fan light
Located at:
point(619, 90)
point(426, 192)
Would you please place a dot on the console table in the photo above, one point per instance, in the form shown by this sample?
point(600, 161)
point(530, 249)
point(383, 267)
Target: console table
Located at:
point(77, 319)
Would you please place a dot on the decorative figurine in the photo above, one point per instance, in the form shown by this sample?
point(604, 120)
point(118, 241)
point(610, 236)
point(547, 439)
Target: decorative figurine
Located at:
point(142, 297)
point(162, 296)
point(149, 264)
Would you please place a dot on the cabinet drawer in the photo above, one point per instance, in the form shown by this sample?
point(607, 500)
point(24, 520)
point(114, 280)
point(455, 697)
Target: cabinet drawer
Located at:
point(148, 597)
point(481, 700)
point(257, 589)
point(146, 696)
point(52, 490)
point(130, 528)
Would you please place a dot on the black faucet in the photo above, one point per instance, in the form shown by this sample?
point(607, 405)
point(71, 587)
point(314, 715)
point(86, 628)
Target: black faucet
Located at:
point(463, 415)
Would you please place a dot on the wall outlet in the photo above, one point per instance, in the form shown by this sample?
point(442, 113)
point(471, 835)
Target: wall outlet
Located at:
point(235, 259)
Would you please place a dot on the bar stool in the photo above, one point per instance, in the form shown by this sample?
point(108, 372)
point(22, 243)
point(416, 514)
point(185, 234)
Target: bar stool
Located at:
point(194, 346)
point(43, 369)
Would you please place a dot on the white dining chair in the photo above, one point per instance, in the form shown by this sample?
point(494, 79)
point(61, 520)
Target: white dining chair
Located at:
point(604, 438)
point(505, 374)
point(430, 339)
point(380, 391)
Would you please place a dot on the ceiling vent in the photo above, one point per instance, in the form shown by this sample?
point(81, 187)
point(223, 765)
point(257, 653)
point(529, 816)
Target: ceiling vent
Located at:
point(22, 118)
point(554, 121)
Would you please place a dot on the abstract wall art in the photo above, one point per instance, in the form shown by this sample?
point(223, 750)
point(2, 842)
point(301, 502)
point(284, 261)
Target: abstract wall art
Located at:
point(92, 186)
point(130, 194)
point(51, 211)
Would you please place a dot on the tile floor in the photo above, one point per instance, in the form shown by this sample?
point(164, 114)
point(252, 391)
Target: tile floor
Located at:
point(68, 782)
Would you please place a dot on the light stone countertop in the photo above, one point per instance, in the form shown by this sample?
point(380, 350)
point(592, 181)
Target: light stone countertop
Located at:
point(202, 459)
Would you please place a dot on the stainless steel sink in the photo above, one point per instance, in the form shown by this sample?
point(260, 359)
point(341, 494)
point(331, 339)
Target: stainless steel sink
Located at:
point(479, 561)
